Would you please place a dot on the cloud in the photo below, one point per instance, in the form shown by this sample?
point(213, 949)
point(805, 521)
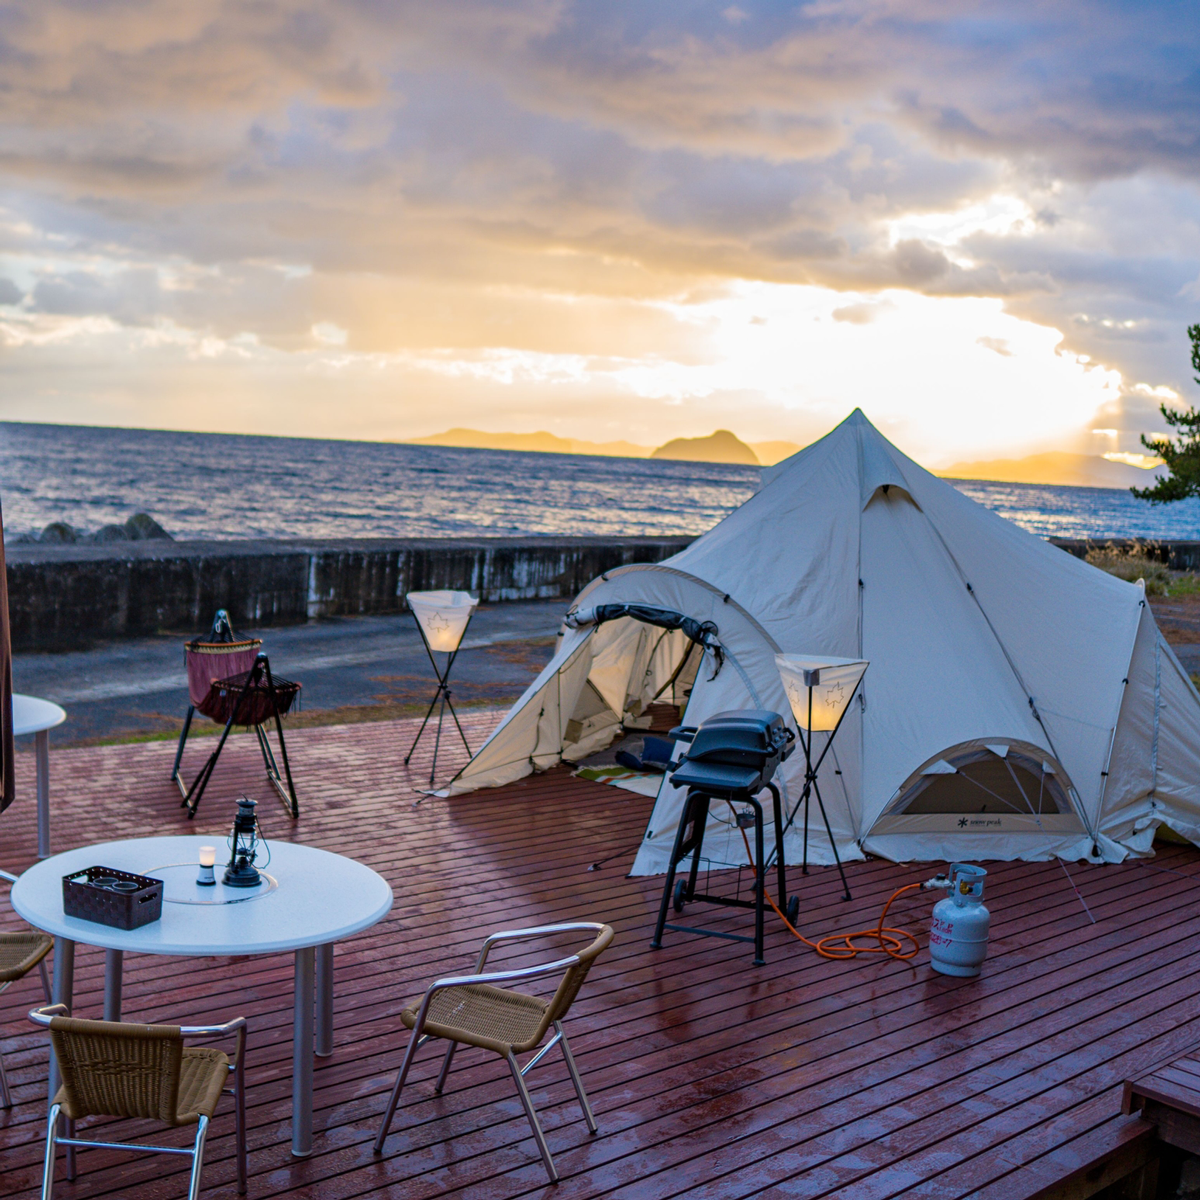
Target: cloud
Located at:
point(860, 314)
point(557, 178)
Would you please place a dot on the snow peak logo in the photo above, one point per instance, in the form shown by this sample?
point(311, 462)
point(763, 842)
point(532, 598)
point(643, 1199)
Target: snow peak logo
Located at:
point(979, 823)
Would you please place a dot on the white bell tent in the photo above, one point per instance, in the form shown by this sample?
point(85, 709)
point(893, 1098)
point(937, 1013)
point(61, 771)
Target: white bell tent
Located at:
point(1019, 703)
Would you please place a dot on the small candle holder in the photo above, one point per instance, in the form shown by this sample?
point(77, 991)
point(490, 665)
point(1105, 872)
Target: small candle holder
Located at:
point(208, 859)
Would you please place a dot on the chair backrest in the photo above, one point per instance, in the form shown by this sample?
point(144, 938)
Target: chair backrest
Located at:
point(114, 1069)
point(573, 979)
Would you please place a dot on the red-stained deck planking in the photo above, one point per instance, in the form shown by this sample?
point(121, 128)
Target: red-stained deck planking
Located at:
point(709, 1077)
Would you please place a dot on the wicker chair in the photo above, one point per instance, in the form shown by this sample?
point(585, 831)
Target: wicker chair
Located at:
point(19, 954)
point(117, 1069)
point(471, 1010)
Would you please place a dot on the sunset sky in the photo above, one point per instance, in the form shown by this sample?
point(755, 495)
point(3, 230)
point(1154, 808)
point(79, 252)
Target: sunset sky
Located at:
point(980, 223)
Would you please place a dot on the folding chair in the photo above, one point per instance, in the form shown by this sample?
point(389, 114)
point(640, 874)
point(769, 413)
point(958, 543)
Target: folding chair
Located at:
point(20, 952)
point(118, 1069)
point(472, 1011)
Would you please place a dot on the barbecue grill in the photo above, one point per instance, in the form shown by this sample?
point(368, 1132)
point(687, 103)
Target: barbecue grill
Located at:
point(731, 757)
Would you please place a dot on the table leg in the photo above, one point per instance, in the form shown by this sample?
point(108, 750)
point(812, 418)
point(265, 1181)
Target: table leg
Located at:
point(41, 745)
point(114, 964)
point(325, 1000)
point(61, 992)
point(302, 1053)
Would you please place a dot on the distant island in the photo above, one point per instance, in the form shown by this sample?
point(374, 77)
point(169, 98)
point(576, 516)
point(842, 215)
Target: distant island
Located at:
point(541, 443)
point(1077, 470)
point(719, 447)
point(722, 446)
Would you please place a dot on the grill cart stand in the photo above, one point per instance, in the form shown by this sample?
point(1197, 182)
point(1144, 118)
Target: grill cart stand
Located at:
point(689, 839)
point(732, 758)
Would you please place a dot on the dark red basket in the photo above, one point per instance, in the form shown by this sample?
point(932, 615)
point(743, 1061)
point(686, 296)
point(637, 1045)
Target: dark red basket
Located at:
point(225, 696)
point(131, 909)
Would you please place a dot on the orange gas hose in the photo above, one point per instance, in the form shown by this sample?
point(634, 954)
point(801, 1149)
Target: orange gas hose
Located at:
point(841, 945)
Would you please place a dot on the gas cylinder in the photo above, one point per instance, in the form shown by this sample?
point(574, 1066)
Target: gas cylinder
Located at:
point(958, 934)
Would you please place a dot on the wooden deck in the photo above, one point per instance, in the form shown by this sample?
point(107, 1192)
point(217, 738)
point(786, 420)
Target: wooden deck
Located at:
point(710, 1077)
point(1168, 1098)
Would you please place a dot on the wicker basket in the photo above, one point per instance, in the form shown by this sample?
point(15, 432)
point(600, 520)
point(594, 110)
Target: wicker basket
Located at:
point(226, 695)
point(122, 908)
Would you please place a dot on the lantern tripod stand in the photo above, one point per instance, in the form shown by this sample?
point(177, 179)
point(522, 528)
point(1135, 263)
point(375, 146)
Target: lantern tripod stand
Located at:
point(812, 787)
point(442, 695)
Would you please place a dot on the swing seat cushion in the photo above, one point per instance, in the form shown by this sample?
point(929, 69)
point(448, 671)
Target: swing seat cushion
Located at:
point(225, 695)
point(207, 661)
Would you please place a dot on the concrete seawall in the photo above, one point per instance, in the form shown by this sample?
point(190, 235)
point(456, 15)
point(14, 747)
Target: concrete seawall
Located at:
point(62, 597)
point(67, 596)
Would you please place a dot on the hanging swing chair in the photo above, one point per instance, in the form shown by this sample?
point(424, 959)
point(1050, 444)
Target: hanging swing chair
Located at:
point(230, 681)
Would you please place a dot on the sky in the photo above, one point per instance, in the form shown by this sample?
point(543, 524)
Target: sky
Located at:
point(379, 219)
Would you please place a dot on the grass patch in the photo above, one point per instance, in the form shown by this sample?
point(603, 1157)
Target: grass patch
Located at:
point(1184, 583)
point(350, 714)
point(1132, 563)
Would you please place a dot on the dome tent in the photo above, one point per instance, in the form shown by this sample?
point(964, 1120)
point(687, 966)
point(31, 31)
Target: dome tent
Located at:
point(1019, 703)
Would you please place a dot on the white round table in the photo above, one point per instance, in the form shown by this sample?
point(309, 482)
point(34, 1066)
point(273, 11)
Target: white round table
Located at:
point(31, 715)
point(320, 899)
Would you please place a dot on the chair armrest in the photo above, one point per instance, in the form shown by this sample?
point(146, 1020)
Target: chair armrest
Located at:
point(8, 878)
point(236, 1025)
point(514, 976)
point(43, 1016)
point(213, 1030)
point(513, 935)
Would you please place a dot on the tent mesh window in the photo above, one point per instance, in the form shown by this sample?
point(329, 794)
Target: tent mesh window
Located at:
point(986, 779)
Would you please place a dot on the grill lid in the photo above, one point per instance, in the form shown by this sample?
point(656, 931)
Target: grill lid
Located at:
point(755, 733)
point(736, 751)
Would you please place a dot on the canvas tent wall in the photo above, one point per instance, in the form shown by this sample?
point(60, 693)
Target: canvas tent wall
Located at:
point(1040, 684)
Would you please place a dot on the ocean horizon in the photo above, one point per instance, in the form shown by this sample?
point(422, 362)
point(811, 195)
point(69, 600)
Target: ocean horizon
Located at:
point(235, 486)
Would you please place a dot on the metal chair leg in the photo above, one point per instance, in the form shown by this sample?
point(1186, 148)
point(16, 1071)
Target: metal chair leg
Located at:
point(45, 980)
point(574, 1072)
point(239, 1117)
point(5, 1094)
point(197, 1159)
point(538, 1135)
point(70, 1151)
point(51, 1151)
point(409, 1055)
point(441, 1079)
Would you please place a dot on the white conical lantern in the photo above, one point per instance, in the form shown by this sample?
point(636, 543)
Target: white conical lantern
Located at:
point(443, 617)
point(832, 682)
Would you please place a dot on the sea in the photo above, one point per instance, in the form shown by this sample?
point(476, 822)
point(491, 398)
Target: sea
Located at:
point(215, 485)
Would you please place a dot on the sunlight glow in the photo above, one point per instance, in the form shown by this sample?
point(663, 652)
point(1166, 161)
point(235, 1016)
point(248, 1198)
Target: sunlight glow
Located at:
point(998, 214)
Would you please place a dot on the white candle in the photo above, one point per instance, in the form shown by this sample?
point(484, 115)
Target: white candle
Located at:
point(208, 856)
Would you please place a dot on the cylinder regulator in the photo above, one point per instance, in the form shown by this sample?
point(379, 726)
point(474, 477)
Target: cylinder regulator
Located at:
point(958, 933)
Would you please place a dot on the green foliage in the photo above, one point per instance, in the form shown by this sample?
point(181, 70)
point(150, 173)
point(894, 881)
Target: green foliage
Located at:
point(1184, 584)
point(1132, 563)
point(1181, 455)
